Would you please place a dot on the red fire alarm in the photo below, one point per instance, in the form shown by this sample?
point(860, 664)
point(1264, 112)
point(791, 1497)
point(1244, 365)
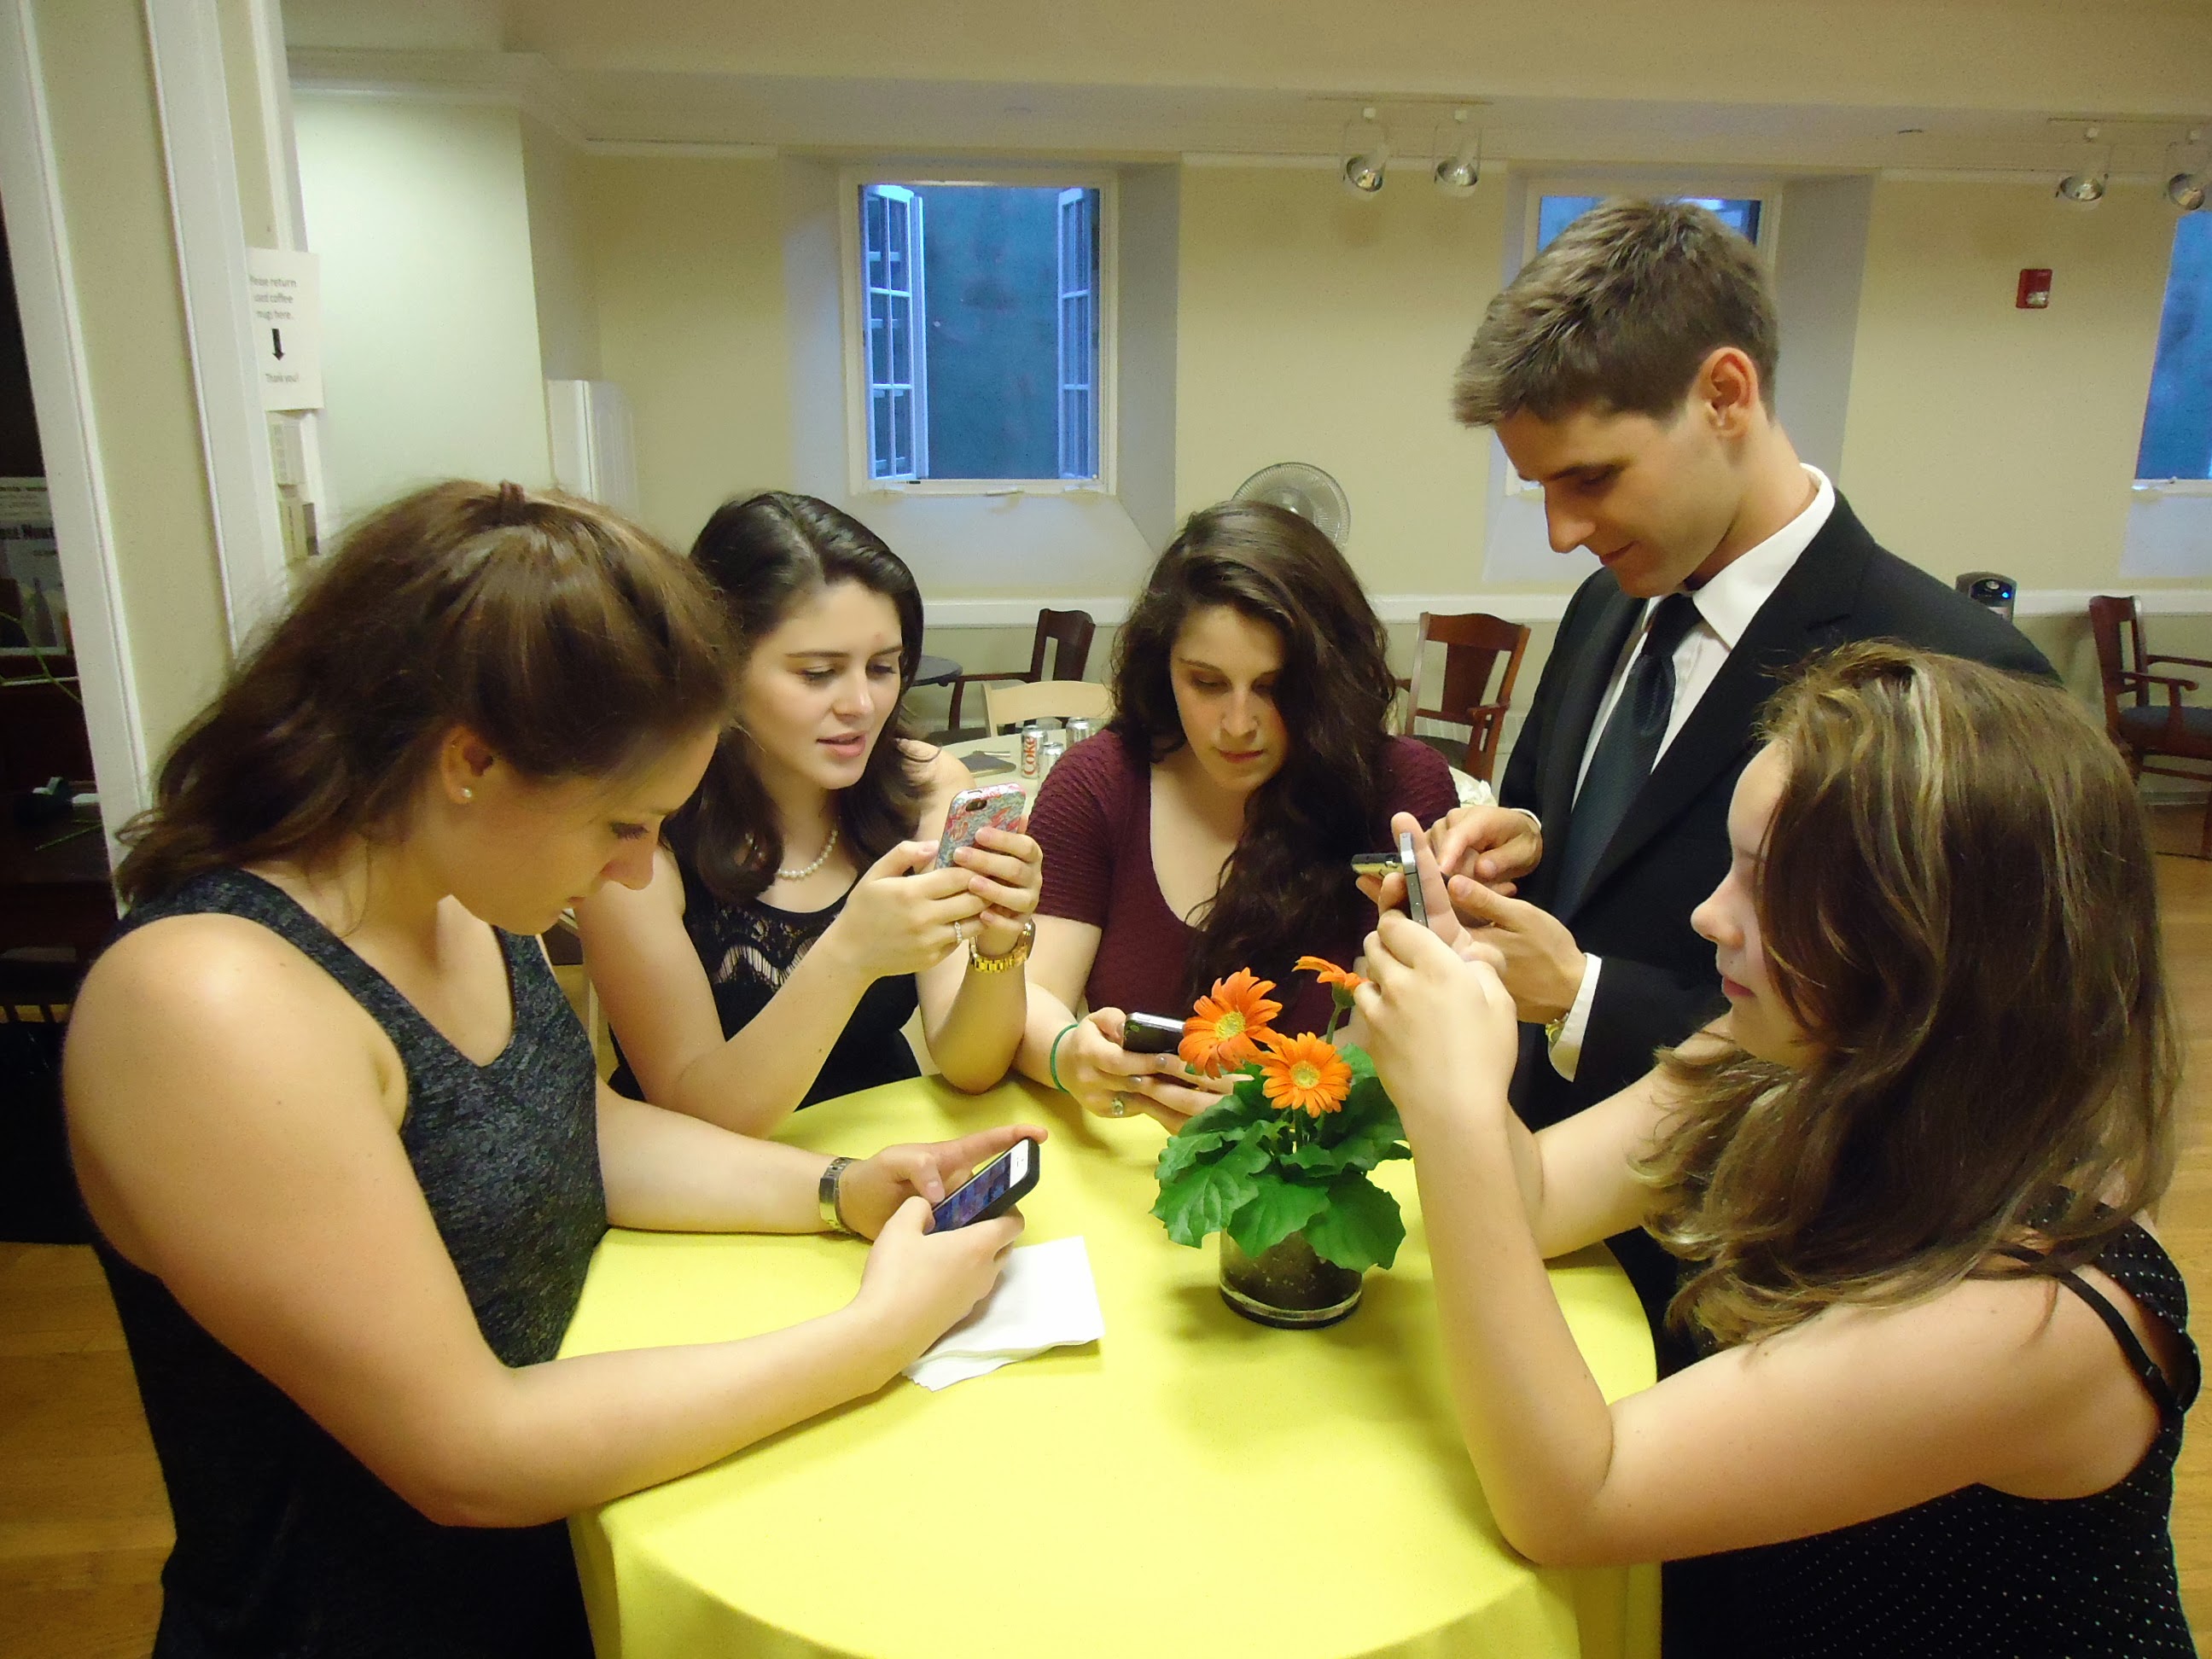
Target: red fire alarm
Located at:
point(2034, 291)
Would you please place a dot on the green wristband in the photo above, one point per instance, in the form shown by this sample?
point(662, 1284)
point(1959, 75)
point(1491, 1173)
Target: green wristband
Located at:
point(1052, 1061)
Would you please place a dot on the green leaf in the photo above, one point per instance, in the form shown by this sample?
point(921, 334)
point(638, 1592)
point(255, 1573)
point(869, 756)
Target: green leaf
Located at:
point(1231, 1113)
point(1201, 1199)
point(1183, 1149)
point(1359, 1227)
point(1278, 1209)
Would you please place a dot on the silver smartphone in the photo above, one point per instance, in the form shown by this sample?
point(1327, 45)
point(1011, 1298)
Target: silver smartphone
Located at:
point(1416, 906)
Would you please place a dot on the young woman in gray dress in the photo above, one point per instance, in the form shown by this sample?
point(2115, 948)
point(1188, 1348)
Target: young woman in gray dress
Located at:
point(345, 1140)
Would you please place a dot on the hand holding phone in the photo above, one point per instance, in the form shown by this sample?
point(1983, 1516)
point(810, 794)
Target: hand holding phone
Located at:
point(992, 1190)
point(994, 806)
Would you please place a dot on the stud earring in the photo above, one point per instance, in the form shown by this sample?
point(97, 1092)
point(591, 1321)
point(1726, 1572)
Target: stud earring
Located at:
point(467, 793)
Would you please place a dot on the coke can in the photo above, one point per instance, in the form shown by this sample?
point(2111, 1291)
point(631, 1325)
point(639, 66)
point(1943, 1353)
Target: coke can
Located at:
point(1032, 751)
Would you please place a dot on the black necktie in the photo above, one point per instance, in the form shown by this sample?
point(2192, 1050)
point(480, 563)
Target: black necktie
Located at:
point(1625, 750)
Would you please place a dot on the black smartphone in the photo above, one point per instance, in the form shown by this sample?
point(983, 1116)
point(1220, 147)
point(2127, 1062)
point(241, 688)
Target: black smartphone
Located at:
point(992, 1190)
point(1416, 906)
point(1153, 1034)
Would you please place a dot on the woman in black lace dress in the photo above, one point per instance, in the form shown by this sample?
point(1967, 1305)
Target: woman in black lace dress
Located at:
point(795, 918)
point(1946, 1364)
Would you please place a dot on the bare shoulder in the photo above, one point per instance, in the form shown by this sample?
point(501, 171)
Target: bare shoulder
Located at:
point(197, 1046)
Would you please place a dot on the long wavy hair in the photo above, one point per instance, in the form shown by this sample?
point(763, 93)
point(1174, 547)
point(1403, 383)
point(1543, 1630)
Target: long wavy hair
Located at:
point(1287, 885)
point(1958, 906)
point(568, 639)
point(765, 555)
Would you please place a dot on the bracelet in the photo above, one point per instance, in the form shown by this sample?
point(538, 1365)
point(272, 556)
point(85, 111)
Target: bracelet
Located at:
point(1013, 958)
point(833, 1217)
point(1052, 1061)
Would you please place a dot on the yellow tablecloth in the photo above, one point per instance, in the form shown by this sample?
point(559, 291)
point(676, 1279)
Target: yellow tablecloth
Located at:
point(1193, 1485)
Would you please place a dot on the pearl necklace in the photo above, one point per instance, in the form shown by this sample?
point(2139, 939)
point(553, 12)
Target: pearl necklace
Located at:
point(802, 874)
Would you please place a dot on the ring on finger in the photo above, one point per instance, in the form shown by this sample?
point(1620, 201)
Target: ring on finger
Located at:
point(960, 934)
point(1119, 1107)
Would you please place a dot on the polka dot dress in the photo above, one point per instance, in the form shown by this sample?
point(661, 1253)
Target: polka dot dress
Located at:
point(1975, 1572)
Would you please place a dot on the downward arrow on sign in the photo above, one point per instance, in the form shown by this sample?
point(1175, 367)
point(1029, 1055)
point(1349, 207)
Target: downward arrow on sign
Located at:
point(277, 336)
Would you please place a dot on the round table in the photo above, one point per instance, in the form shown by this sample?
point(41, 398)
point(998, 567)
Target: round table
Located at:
point(1192, 1485)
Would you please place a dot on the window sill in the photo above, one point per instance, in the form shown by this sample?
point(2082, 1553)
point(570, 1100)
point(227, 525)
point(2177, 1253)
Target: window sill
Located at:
point(998, 488)
point(2164, 486)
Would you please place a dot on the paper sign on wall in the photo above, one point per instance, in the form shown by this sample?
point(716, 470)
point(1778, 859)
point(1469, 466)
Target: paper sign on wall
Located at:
point(285, 296)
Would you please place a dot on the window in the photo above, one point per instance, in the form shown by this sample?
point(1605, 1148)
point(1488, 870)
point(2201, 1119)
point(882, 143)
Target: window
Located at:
point(980, 332)
point(1555, 213)
point(2177, 434)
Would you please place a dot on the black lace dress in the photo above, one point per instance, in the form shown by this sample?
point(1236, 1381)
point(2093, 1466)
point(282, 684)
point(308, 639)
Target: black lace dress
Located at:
point(749, 950)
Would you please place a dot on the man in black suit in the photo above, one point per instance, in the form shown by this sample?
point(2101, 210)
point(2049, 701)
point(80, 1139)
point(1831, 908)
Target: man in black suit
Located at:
point(1628, 371)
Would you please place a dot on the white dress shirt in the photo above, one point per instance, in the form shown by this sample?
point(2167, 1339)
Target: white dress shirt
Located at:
point(1726, 605)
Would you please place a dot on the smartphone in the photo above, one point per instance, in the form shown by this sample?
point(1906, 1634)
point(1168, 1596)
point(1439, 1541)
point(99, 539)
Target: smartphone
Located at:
point(1375, 864)
point(1153, 1034)
point(1416, 907)
point(992, 1190)
point(994, 806)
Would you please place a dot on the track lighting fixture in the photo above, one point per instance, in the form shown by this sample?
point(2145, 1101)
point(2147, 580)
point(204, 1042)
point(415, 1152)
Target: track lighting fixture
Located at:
point(2086, 187)
point(2189, 186)
point(1367, 145)
point(1459, 169)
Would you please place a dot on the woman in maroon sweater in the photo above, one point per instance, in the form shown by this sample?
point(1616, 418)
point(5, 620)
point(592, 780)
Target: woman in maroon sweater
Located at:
point(1211, 826)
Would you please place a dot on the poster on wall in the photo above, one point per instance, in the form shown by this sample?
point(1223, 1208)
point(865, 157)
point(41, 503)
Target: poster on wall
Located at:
point(33, 614)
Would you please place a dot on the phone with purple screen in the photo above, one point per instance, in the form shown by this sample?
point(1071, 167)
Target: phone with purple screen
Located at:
point(992, 1190)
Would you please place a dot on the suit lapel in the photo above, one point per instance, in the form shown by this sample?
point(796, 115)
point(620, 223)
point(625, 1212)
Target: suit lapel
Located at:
point(1614, 616)
point(1799, 616)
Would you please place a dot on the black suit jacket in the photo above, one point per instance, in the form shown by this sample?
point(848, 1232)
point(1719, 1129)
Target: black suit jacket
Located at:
point(1658, 983)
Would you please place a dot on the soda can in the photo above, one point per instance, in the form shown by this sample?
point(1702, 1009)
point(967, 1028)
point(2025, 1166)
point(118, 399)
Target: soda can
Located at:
point(1032, 747)
point(1078, 729)
point(1050, 753)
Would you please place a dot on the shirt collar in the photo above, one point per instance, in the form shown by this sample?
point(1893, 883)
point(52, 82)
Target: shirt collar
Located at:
point(1727, 604)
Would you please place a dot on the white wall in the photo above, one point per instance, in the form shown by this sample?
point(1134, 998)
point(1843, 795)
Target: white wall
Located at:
point(418, 212)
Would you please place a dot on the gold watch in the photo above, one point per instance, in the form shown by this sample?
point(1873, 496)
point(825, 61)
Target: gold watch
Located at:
point(1013, 958)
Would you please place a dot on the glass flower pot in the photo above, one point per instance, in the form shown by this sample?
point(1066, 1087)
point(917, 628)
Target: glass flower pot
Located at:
point(1287, 1284)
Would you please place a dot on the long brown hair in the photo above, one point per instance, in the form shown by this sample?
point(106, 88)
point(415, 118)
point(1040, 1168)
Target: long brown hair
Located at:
point(1958, 905)
point(764, 555)
point(1284, 889)
point(570, 640)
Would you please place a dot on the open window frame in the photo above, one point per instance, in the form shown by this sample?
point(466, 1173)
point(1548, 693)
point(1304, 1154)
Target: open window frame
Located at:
point(853, 290)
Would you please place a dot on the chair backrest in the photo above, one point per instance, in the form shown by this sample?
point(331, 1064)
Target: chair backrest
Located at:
point(1069, 632)
point(1011, 705)
point(1473, 643)
point(2116, 625)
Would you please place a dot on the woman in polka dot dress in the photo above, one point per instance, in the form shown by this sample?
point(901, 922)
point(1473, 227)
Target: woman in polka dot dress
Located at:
point(1945, 1363)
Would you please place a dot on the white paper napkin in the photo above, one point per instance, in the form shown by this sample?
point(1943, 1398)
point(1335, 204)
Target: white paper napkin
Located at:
point(1045, 1298)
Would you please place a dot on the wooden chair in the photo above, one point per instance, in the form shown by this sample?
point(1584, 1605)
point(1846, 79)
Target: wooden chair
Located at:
point(2142, 729)
point(1069, 632)
point(1473, 641)
point(1047, 700)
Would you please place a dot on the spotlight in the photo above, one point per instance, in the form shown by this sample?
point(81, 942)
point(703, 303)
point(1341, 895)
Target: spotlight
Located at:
point(1368, 148)
point(2086, 187)
point(2186, 190)
point(2193, 165)
point(1461, 168)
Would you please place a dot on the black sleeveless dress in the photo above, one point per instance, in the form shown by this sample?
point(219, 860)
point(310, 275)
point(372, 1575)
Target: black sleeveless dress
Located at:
point(1976, 1572)
point(749, 950)
point(286, 1544)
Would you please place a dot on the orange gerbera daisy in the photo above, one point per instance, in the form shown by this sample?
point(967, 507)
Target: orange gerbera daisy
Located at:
point(1329, 974)
point(1303, 1074)
point(1224, 1032)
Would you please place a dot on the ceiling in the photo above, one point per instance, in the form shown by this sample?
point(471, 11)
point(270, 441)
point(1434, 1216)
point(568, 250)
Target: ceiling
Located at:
point(1768, 85)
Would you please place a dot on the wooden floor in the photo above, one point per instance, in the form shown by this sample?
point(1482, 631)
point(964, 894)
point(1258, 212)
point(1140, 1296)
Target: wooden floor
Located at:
point(84, 1527)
